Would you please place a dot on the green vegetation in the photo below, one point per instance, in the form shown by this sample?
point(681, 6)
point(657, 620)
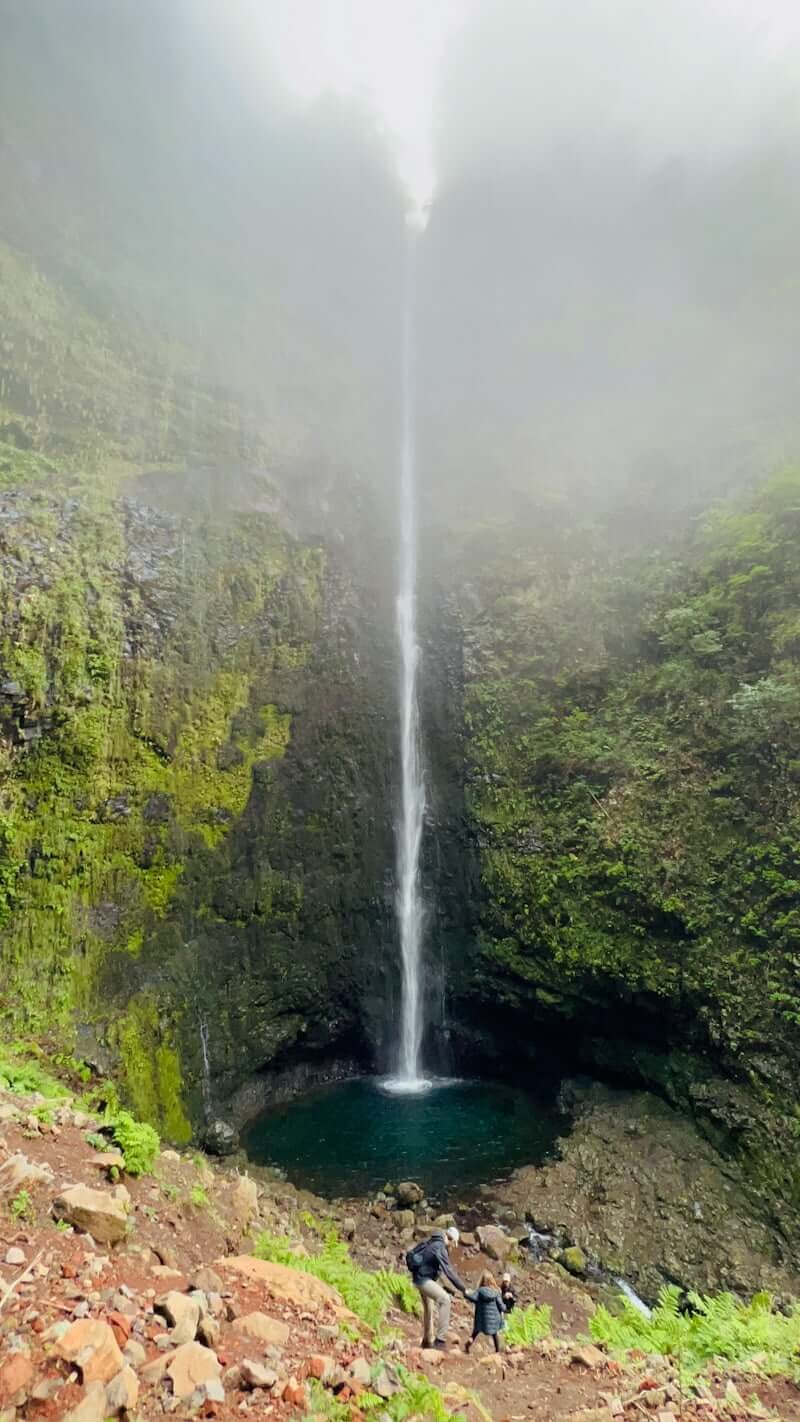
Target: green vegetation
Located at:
point(21, 1075)
point(633, 743)
point(137, 1140)
point(415, 1397)
point(369, 1295)
point(21, 1206)
point(525, 1326)
point(720, 1330)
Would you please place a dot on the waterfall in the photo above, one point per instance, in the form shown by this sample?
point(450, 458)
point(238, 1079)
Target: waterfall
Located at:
point(206, 1064)
point(408, 829)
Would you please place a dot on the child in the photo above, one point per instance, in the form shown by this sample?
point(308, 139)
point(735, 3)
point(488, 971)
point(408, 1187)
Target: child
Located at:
point(489, 1310)
point(507, 1293)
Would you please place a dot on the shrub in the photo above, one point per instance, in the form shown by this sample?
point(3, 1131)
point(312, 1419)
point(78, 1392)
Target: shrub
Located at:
point(718, 1327)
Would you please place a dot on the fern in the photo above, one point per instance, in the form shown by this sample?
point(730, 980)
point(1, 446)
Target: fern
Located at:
point(138, 1142)
point(718, 1327)
point(26, 1077)
point(525, 1326)
point(370, 1296)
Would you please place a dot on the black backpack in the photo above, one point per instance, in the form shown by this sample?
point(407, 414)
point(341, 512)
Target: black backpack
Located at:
point(416, 1257)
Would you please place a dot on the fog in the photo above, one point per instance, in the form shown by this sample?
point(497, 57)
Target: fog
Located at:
point(608, 300)
point(156, 168)
point(611, 299)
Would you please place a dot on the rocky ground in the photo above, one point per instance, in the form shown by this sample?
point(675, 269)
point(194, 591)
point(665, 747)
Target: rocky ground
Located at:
point(134, 1298)
point(643, 1194)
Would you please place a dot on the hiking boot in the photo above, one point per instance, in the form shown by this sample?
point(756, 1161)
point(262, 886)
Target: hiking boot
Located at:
point(440, 1345)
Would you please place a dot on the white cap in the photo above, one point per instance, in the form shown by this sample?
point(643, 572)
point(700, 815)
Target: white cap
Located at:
point(453, 1234)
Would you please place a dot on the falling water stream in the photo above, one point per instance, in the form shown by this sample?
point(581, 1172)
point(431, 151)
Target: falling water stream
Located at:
point(410, 909)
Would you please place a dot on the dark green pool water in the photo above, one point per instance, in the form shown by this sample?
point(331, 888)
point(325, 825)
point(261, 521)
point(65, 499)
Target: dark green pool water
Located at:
point(350, 1138)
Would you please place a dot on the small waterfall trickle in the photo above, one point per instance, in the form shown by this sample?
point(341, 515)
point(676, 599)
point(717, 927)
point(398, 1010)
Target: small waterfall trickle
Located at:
point(409, 903)
point(206, 1065)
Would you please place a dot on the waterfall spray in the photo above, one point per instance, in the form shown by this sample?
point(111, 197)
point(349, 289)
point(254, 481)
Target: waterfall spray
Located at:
point(410, 909)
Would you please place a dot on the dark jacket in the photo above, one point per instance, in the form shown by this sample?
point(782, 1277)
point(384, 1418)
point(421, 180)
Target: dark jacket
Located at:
point(489, 1310)
point(436, 1261)
point(509, 1299)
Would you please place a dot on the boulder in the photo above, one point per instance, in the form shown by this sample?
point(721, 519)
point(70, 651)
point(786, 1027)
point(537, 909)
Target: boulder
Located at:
point(286, 1284)
point(432, 1357)
point(326, 1369)
point(191, 1366)
point(244, 1202)
point(206, 1280)
point(264, 1328)
point(182, 1313)
point(122, 1393)
point(90, 1344)
point(294, 1393)
point(209, 1330)
point(404, 1219)
point(408, 1192)
point(101, 1213)
point(588, 1357)
point(360, 1372)
point(16, 1376)
point(256, 1375)
point(134, 1353)
point(494, 1242)
point(221, 1138)
point(91, 1408)
point(573, 1259)
point(348, 1229)
point(19, 1173)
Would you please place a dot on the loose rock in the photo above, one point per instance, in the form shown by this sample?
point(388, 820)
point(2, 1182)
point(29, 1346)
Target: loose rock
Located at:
point(101, 1213)
point(408, 1192)
point(494, 1242)
point(122, 1393)
point(264, 1328)
point(92, 1408)
point(588, 1357)
point(255, 1375)
point(183, 1313)
point(92, 1347)
point(190, 1367)
point(16, 1376)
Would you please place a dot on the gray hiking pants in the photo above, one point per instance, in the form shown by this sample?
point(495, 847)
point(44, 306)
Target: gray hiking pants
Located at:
point(435, 1305)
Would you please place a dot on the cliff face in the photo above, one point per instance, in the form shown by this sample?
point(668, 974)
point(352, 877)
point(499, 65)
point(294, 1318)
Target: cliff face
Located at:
point(195, 796)
point(631, 781)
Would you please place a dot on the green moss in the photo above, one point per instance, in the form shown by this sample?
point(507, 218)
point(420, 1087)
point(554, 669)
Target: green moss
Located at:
point(150, 1069)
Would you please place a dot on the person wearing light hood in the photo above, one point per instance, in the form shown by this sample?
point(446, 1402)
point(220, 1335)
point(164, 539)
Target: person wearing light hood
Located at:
point(426, 1262)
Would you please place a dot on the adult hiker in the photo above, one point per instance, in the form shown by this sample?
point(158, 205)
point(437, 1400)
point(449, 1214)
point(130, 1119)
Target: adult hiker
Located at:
point(427, 1261)
point(489, 1310)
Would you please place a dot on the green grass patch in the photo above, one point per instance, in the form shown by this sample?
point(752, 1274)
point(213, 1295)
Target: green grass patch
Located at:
point(369, 1295)
point(525, 1326)
point(718, 1328)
